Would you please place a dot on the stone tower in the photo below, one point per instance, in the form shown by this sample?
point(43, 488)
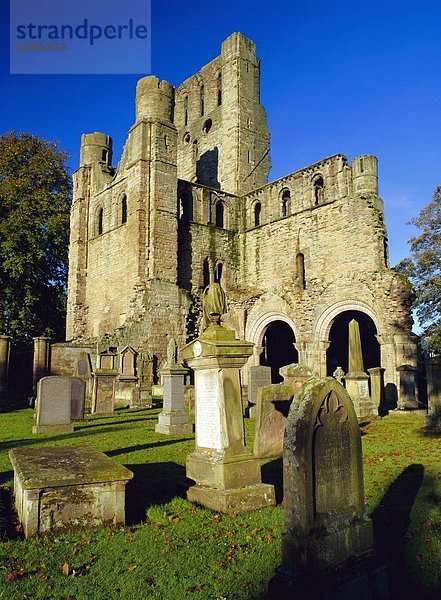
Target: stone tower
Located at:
point(223, 139)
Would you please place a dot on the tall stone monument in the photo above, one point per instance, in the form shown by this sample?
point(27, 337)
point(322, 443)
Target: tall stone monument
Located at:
point(357, 381)
point(174, 419)
point(327, 542)
point(226, 473)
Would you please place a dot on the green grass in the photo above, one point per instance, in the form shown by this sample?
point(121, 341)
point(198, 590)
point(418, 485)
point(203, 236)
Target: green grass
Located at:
point(172, 549)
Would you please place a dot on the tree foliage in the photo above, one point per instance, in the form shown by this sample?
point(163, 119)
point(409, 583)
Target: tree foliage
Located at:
point(424, 270)
point(35, 194)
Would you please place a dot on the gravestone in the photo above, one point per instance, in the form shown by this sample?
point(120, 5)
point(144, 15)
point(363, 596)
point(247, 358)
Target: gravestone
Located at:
point(356, 380)
point(296, 374)
point(174, 419)
point(273, 404)
point(227, 475)
point(338, 374)
point(83, 371)
point(377, 388)
point(63, 488)
point(53, 405)
point(433, 373)
point(78, 387)
point(408, 389)
point(327, 542)
point(126, 391)
point(257, 377)
point(103, 396)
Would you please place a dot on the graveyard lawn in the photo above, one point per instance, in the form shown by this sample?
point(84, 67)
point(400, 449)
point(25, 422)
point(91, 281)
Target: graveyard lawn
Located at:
point(171, 549)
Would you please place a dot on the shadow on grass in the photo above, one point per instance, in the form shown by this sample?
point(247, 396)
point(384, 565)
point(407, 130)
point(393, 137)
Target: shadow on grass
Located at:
point(54, 438)
point(391, 520)
point(93, 425)
point(153, 483)
point(272, 473)
point(119, 451)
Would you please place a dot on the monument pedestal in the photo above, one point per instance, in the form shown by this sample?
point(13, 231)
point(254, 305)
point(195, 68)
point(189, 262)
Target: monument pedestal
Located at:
point(227, 475)
point(358, 388)
point(53, 428)
point(174, 419)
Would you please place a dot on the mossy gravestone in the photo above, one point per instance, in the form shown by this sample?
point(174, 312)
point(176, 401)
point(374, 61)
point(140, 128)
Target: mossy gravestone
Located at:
point(327, 543)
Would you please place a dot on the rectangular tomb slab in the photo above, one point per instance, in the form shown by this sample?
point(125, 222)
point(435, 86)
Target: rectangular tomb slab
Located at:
point(65, 487)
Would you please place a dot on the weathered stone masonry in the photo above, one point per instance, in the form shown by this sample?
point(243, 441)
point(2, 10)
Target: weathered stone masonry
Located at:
point(189, 202)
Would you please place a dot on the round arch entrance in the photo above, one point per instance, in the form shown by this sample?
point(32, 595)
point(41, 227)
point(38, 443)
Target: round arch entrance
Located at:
point(278, 348)
point(337, 353)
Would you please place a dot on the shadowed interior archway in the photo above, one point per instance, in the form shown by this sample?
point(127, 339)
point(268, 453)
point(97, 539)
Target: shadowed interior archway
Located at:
point(337, 353)
point(278, 348)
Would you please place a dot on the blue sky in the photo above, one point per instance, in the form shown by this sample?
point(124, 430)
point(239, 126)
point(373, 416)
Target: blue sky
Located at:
point(348, 77)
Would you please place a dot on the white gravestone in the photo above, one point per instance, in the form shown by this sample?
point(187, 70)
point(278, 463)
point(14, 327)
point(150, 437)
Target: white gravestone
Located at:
point(53, 405)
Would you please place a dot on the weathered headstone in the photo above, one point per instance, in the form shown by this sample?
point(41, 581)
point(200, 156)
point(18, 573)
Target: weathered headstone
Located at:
point(103, 396)
point(257, 377)
point(126, 390)
point(53, 405)
point(174, 419)
point(273, 404)
point(377, 387)
point(226, 473)
point(327, 543)
point(433, 374)
point(78, 388)
point(356, 380)
point(296, 374)
point(83, 371)
point(61, 488)
point(408, 389)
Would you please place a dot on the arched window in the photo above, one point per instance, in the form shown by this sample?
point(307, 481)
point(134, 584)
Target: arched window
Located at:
point(218, 272)
point(206, 272)
point(195, 150)
point(202, 97)
point(185, 109)
point(319, 192)
point(219, 89)
point(123, 209)
point(219, 214)
point(99, 227)
point(185, 208)
point(300, 265)
point(286, 203)
point(257, 213)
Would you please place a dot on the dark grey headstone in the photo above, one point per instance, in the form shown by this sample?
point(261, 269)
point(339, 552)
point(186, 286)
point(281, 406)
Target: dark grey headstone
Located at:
point(78, 387)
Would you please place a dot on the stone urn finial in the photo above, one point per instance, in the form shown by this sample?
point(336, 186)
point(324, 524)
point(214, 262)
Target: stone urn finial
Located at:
point(172, 351)
point(214, 304)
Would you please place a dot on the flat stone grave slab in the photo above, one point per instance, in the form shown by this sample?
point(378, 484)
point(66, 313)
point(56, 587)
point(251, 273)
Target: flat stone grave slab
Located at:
point(67, 487)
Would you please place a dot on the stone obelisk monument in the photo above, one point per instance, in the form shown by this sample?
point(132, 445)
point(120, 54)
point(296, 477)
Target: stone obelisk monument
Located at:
point(226, 473)
point(356, 379)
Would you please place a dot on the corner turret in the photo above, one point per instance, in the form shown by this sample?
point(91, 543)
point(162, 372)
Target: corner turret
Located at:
point(96, 147)
point(154, 99)
point(365, 174)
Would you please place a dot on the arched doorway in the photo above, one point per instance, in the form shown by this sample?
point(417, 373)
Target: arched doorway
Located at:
point(337, 353)
point(278, 348)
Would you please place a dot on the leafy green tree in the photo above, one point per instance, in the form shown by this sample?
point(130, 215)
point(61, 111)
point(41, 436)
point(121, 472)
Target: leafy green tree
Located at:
point(424, 270)
point(35, 194)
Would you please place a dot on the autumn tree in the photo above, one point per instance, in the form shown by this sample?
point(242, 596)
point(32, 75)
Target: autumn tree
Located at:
point(424, 270)
point(34, 236)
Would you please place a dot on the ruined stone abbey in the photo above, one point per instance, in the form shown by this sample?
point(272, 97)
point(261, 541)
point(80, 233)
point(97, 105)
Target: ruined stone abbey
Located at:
point(189, 202)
